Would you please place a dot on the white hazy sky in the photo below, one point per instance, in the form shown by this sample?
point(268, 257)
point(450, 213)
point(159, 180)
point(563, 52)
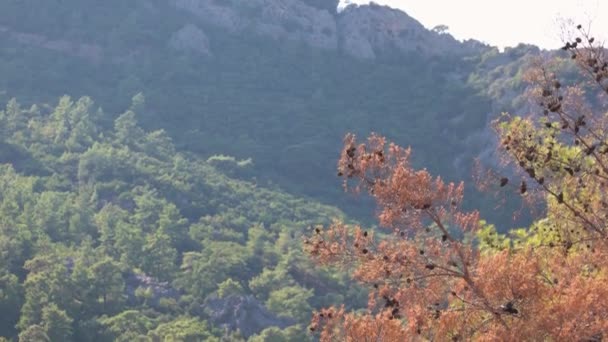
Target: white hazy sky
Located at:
point(507, 22)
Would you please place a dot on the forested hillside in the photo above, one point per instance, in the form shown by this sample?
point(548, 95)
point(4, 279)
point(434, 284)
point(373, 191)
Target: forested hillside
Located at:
point(174, 207)
point(274, 97)
point(112, 234)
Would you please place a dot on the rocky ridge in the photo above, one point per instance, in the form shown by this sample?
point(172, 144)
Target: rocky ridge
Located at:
point(360, 31)
point(365, 32)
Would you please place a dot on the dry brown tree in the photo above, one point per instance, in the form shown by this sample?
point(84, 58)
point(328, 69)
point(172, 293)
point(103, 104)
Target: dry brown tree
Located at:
point(439, 273)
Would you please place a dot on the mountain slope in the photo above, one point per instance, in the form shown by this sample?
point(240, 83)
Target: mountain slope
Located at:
point(173, 215)
point(256, 79)
point(102, 227)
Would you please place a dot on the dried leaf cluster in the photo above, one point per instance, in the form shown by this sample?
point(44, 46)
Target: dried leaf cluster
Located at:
point(439, 273)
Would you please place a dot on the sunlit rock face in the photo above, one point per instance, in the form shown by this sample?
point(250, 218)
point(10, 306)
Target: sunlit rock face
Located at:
point(360, 31)
point(280, 19)
point(190, 38)
point(366, 31)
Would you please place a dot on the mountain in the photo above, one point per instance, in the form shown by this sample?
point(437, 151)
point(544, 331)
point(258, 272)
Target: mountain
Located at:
point(277, 81)
point(179, 197)
point(358, 31)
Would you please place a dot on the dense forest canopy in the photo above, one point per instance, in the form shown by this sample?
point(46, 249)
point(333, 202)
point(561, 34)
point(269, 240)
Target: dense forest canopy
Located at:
point(113, 234)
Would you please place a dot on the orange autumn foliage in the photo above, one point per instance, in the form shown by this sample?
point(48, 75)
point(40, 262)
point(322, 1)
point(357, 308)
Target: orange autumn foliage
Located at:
point(432, 275)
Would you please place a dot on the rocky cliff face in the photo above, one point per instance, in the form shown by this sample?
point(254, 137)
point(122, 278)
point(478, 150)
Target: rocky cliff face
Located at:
point(359, 31)
point(190, 38)
point(365, 32)
point(278, 19)
point(244, 313)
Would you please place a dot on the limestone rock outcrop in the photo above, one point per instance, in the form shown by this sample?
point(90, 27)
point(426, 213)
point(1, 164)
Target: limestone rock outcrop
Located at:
point(360, 31)
point(191, 38)
point(244, 313)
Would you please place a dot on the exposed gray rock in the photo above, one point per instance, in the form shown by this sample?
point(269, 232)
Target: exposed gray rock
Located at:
point(359, 31)
point(298, 21)
point(191, 38)
point(367, 30)
point(279, 19)
point(91, 52)
point(211, 12)
point(159, 289)
point(244, 313)
point(329, 5)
